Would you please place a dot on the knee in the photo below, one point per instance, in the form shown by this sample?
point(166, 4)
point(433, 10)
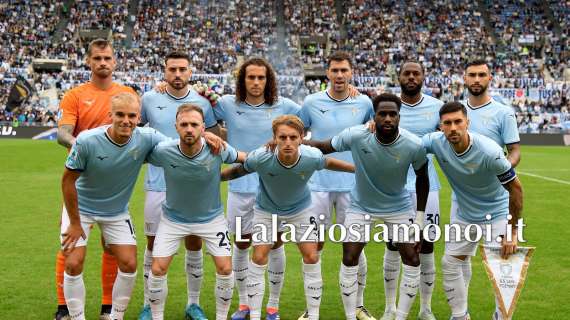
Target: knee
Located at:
point(158, 269)
point(150, 243)
point(427, 247)
point(411, 259)
point(224, 270)
point(259, 258)
point(350, 258)
point(128, 266)
point(451, 265)
point(311, 257)
point(73, 266)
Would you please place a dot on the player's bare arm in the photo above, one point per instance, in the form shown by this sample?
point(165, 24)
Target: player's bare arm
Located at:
point(233, 172)
point(65, 135)
point(74, 231)
point(514, 153)
point(338, 165)
point(514, 188)
point(241, 157)
point(325, 146)
point(422, 187)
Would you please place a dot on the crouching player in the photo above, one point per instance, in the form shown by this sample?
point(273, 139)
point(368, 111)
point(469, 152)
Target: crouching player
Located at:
point(192, 207)
point(101, 171)
point(283, 191)
point(487, 191)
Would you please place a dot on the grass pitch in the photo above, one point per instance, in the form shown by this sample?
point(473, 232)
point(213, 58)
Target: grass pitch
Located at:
point(31, 201)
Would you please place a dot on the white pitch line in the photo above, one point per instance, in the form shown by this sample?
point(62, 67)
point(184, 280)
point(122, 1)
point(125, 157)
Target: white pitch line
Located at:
point(543, 177)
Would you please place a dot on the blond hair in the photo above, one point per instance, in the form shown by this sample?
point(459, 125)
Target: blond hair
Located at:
point(290, 121)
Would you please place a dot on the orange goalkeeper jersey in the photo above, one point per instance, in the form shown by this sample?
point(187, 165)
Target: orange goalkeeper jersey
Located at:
point(87, 106)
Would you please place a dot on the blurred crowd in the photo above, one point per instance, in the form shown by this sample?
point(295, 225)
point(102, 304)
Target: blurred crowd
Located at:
point(525, 42)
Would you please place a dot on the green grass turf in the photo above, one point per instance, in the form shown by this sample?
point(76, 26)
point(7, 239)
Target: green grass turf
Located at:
point(30, 210)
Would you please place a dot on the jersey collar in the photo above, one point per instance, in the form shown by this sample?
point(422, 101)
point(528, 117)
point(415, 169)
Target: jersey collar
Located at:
point(287, 166)
point(468, 147)
point(183, 97)
point(328, 95)
point(415, 104)
point(479, 107)
point(194, 155)
point(387, 144)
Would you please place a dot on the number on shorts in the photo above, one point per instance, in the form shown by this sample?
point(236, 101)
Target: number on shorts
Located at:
point(433, 218)
point(224, 239)
point(128, 221)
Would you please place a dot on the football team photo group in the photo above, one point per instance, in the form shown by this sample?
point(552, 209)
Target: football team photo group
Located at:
point(341, 169)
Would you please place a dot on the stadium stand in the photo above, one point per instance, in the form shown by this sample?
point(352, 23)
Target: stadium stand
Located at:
point(526, 43)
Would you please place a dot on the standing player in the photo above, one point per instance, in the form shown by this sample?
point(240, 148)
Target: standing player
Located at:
point(491, 119)
point(85, 107)
point(382, 161)
point(159, 111)
point(192, 207)
point(419, 115)
point(326, 114)
point(487, 192)
point(100, 175)
point(283, 191)
point(248, 116)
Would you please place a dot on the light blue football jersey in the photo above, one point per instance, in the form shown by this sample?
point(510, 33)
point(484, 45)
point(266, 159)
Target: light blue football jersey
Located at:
point(381, 170)
point(282, 190)
point(249, 127)
point(159, 111)
point(327, 117)
point(108, 170)
point(420, 119)
point(495, 121)
point(192, 183)
point(475, 175)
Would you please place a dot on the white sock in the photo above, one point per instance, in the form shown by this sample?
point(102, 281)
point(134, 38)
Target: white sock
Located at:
point(454, 285)
point(122, 291)
point(194, 275)
point(408, 290)
point(362, 271)
point(255, 289)
point(313, 288)
point(467, 273)
point(427, 280)
point(240, 261)
point(157, 292)
point(147, 264)
point(74, 292)
point(348, 283)
point(391, 274)
point(275, 275)
point(224, 292)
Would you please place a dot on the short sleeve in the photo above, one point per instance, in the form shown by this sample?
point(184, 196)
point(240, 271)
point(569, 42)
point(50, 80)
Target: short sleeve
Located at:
point(229, 154)
point(250, 164)
point(220, 110)
point(510, 132)
point(342, 141)
point(292, 107)
point(69, 109)
point(209, 118)
point(305, 114)
point(321, 160)
point(77, 158)
point(370, 110)
point(153, 156)
point(427, 143)
point(420, 158)
point(501, 167)
point(144, 108)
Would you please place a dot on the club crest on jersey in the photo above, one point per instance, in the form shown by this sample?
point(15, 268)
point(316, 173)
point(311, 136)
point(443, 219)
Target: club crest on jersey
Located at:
point(89, 102)
point(354, 111)
point(134, 153)
point(269, 113)
point(207, 164)
point(471, 166)
point(428, 115)
point(302, 175)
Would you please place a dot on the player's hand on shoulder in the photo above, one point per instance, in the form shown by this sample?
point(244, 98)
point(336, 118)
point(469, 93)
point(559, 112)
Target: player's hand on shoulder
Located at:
point(215, 143)
point(160, 87)
point(71, 236)
point(371, 126)
point(270, 146)
point(352, 91)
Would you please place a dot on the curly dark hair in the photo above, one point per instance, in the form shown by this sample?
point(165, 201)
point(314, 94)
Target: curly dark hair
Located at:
point(270, 92)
